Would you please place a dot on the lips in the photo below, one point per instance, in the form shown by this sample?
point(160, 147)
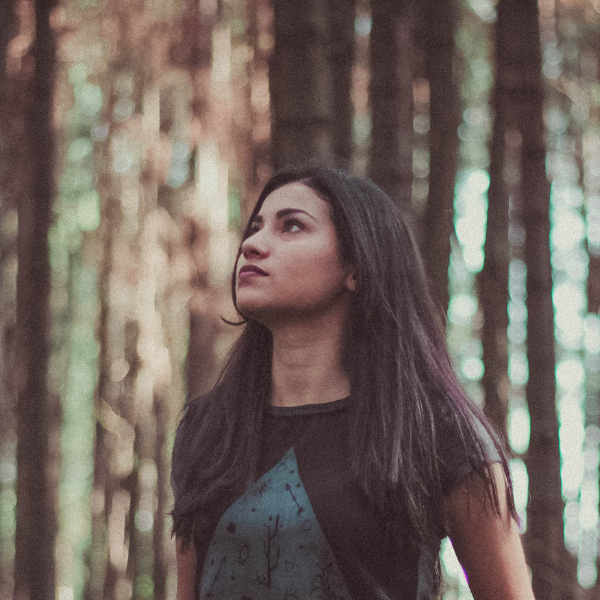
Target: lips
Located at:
point(250, 270)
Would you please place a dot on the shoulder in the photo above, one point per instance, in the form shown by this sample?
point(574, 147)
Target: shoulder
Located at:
point(483, 534)
point(465, 442)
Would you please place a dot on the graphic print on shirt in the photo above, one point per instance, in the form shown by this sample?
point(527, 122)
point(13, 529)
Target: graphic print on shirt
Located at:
point(269, 544)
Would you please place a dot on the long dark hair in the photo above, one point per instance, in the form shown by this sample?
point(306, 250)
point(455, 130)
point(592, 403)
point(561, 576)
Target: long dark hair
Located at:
point(403, 386)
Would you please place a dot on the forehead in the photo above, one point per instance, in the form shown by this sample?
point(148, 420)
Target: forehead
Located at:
point(294, 195)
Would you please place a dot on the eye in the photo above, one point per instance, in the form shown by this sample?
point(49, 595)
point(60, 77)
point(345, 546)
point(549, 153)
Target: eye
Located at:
point(251, 230)
point(292, 225)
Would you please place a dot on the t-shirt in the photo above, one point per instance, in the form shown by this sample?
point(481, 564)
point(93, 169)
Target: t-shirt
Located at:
point(305, 530)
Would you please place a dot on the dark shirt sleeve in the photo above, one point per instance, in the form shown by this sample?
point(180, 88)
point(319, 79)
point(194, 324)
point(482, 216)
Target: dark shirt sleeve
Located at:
point(461, 451)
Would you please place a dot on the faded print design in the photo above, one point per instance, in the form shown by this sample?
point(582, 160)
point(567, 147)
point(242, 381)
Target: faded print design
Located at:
point(269, 545)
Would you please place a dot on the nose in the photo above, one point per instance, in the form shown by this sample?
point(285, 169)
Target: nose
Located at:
point(256, 245)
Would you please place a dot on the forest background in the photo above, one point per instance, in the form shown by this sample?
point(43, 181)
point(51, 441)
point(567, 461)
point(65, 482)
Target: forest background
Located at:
point(134, 138)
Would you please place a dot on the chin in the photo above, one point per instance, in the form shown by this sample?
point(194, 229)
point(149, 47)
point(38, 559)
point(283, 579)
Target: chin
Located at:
point(252, 310)
point(267, 315)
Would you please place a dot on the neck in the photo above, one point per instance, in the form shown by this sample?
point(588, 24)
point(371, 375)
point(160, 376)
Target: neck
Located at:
point(307, 361)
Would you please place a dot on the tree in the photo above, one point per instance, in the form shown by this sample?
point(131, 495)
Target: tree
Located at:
point(391, 96)
point(493, 279)
point(544, 541)
point(300, 85)
point(437, 226)
point(11, 150)
point(115, 473)
point(36, 511)
point(257, 162)
point(341, 58)
point(194, 53)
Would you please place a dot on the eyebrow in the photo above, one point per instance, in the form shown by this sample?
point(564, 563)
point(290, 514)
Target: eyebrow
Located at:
point(283, 213)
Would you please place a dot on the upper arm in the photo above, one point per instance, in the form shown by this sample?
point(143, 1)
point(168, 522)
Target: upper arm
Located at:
point(186, 570)
point(487, 545)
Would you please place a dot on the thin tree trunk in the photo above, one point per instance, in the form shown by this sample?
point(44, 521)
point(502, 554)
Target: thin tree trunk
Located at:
point(593, 289)
point(341, 57)
point(193, 52)
point(259, 27)
point(8, 105)
point(391, 95)
point(544, 541)
point(591, 187)
point(493, 279)
point(593, 298)
point(300, 85)
point(444, 108)
point(203, 327)
point(105, 393)
point(162, 468)
point(36, 518)
point(545, 544)
point(10, 154)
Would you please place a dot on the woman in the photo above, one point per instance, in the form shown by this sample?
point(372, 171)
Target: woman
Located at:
point(337, 448)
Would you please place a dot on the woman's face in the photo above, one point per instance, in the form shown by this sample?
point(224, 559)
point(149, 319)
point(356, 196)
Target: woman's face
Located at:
point(290, 264)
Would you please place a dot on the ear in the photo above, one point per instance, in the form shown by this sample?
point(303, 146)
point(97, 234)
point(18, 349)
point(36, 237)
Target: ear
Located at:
point(351, 281)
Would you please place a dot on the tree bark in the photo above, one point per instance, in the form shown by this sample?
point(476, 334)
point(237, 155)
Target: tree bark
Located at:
point(544, 540)
point(8, 105)
point(163, 470)
point(593, 289)
point(256, 140)
point(444, 115)
point(341, 57)
point(300, 85)
point(105, 393)
point(11, 105)
point(36, 510)
point(493, 279)
point(391, 96)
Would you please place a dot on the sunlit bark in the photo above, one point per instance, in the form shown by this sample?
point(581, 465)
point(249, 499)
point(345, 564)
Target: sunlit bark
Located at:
point(105, 391)
point(114, 464)
point(209, 128)
point(254, 143)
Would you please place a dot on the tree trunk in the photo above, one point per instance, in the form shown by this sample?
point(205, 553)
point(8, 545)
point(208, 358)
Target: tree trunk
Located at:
point(256, 140)
point(544, 541)
point(163, 470)
point(105, 394)
point(493, 279)
point(301, 85)
point(444, 117)
point(11, 90)
point(203, 324)
point(391, 95)
point(545, 545)
point(193, 52)
point(36, 519)
point(8, 106)
point(341, 58)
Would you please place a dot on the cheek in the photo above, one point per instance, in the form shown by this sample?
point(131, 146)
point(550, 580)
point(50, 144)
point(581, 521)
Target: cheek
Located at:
point(315, 269)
